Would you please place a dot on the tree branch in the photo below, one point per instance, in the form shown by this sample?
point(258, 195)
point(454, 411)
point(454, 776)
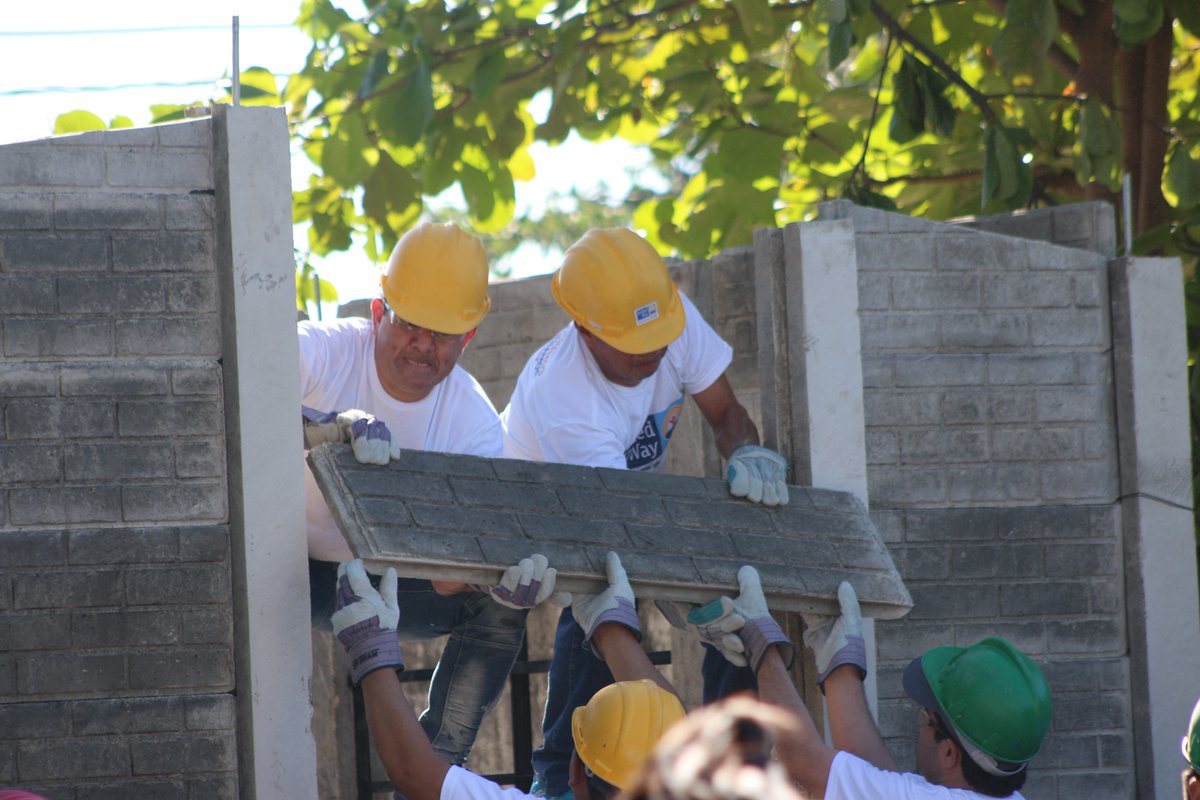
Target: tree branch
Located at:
point(977, 97)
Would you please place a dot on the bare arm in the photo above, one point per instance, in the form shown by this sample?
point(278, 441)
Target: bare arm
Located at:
point(850, 723)
point(625, 657)
point(729, 420)
point(411, 765)
point(803, 753)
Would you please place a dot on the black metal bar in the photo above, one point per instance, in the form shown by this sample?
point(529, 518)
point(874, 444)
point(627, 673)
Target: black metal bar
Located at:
point(362, 747)
point(521, 722)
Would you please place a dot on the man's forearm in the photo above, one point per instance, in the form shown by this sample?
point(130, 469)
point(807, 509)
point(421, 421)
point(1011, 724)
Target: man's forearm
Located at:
point(851, 726)
point(407, 756)
point(805, 755)
point(626, 659)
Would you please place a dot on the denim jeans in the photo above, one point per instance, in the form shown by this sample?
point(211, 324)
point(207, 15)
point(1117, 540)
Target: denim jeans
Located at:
point(576, 674)
point(485, 638)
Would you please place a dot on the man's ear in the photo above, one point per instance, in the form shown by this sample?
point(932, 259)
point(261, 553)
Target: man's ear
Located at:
point(468, 337)
point(376, 310)
point(949, 754)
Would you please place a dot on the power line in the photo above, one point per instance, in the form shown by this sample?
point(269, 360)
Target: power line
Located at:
point(86, 89)
point(165, 29)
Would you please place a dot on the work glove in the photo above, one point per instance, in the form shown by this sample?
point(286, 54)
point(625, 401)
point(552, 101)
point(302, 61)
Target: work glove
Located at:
point(365, 620)
point(526, 584)
point(837, 640)
point(758, 474)
point(614, 604)
point(367, 436)
point(748, 617)
point(715, 623)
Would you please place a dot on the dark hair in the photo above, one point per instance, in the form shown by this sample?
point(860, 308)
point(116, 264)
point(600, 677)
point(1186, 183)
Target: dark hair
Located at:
point(975, 776)
point(598, 788)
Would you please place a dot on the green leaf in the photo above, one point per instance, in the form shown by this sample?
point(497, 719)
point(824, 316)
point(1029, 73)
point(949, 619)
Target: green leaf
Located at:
point(1182, 177)
point(407, 113)
point(120, 121)
point(1188, 14)
point(1028, 31)
point(77, 122)
point(756, 21)
point(841, 36)
point(908, 102)
point(344, 156)
point(745, 154)
point(1144, 19)
point(488, 74)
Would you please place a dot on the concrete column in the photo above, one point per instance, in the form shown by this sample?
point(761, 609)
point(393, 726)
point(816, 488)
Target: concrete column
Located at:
point(1150, 368)
point(810, 360)
point(266, 484)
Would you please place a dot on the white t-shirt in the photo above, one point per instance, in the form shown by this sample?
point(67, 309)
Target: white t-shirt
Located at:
point(337, 373)
point(462, 784)
point(564, 410)
point(851, 778)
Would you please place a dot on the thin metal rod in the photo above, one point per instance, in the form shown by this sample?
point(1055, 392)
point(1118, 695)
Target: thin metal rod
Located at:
point(237, 70)
point(1127, 212)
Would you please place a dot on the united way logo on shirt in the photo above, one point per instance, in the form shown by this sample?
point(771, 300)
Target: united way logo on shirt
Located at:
point(650, 448)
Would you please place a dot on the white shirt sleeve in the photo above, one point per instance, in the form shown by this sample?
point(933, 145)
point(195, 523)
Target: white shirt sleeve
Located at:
point(705, 355)
point(462, 784)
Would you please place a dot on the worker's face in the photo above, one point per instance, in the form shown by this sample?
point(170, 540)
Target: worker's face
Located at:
point(932, 753)
point(623, 369)
point(410, 360)
point(1191, 785)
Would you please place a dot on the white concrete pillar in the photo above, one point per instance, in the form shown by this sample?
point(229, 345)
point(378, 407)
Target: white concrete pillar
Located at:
point(277, 755)
point(1150, 371)
point(811, 362)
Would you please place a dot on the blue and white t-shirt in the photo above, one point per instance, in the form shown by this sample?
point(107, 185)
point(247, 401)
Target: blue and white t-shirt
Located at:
point(564, 410)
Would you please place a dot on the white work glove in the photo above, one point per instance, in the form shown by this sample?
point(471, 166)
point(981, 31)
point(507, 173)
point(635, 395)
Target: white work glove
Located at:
point(365, 620)
point(716, 623)
point(614, 604)
point(837, 640)
point(758, 474)
point(367, 436)
point(748, 617)
point(526, 584)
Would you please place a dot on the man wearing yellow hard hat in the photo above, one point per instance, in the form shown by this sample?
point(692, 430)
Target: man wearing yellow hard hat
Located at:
point(607, 391)
point(391, 382)
point(613, 733)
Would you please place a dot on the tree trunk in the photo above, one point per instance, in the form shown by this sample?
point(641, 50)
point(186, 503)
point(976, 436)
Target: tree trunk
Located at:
point(1150, 206)
point(1097, 53)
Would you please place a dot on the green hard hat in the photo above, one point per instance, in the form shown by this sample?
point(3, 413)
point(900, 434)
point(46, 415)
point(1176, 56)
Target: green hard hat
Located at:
point(992, 695)
point(1191, 742)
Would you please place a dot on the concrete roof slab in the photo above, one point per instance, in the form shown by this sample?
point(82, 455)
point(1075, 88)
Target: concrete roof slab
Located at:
point(454, 517)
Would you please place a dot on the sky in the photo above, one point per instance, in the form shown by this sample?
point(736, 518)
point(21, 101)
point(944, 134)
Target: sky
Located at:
point(119, 58)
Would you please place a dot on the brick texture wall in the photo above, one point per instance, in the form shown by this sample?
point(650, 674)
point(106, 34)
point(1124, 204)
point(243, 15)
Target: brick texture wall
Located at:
point(992, 465)
point(116, 673)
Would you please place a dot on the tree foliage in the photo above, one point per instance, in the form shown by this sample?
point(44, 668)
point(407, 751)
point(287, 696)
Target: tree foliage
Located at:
point(755, 108)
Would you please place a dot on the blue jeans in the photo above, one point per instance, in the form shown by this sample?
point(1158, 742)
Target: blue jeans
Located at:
point(485, 638)
point(576, 674)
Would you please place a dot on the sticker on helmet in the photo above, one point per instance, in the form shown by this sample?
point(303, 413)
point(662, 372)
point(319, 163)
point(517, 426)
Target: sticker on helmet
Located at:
point(647, 313)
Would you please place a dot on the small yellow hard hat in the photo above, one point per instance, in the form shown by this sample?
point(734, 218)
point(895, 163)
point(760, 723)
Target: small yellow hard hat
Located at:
point(615, 732)
point(437, 278)
point(613, 283)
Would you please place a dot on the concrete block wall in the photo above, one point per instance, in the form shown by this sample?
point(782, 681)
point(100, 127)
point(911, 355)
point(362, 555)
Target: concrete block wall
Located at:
point(117, 664)
point(993, 470)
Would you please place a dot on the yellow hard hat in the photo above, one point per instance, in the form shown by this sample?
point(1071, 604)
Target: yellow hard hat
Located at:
point(615, 732)
point(613, 283)
point(437, 278)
